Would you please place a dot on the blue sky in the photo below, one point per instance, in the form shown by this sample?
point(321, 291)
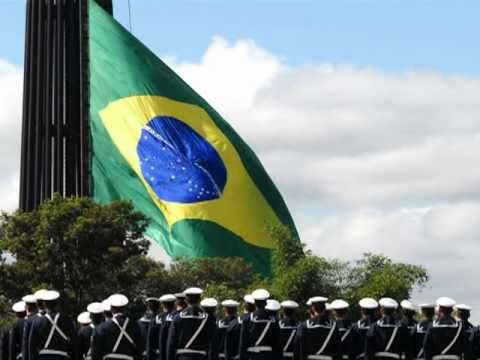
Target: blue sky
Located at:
point(391, 35)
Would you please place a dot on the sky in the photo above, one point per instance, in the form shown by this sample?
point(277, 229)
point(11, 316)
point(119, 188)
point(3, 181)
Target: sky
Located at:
point(365, 114)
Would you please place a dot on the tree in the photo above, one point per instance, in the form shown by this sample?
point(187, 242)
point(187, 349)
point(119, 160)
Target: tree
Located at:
point(73, 244)
point(300, 275)
point(233, 273)
point(379, 276)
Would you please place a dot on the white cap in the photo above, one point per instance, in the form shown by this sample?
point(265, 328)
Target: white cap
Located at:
point(260, 294)
point(193, 291)
point(95, 308)
point(118, 300)
point(328, 307)
point(209, 303)
point(39, 294)
point(168, 298)
point(154, 299)
point(106, 305)
point(19, 307)
point(249, 299)
point(368, 303)
point(446, 302)
point(388, 303)
point(230, 303)
point(426, 306)
point(84, 318)
point(463, 307)
point(309, 302)
point(339, 304)
point(49, 295)
point(272, 305)
point(289, 304)
point(318, 299)
point(180, 295)
point(30, 299)
point(408, 305)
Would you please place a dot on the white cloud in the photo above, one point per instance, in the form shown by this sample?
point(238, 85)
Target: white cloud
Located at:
point(368, 161)
point(10, 125)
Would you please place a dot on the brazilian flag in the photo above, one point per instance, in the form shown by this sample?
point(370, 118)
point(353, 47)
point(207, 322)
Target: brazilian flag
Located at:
point(157, 143)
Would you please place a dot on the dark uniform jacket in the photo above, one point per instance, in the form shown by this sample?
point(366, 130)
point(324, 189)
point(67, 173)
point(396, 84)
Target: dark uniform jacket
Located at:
point(445, 336)
point(62, 343)
point(410, 324)
point(387, 339)
point(255, 346)
point(84, 341)
point(15, 340)
point(318, 338)
point(468, 327)
point(144, 323)
point(359, 334)
point(167, 319)
point(26, 333)
point(228, 338)
point(473, 345)
point(346, 338)
point(418, 336)
point(4, 342)
point(191, 335)
point(152, 345)
point(106, 335)
point(288, 331)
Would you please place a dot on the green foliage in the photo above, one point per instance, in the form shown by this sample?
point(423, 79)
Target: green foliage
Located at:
point(378, 276)
point(234, 273)
point(288, 249)
point(71, 244)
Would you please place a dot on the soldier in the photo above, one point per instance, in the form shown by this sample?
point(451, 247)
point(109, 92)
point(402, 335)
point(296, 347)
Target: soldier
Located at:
point(4, 342)
point(192, 330)
point(180, 304)
point(32, 313)
point(318, 338)
point(152, 344)
point(387, 338)
point(83, 336)
point(259, 332)
point(85, 333)
point(52, 336)
point(344, 326)
point(153, 306)
point(169, 312)
point(445, 339)
point(248, 307)
point(427, 312)
point(463, 315)
point(409, 310)
point(16, 332)
point(107, 309)
point(368, 307)
point(273, 307)
point(118, 338)
point(288, 328)
point(209, 305)
point(228, 332)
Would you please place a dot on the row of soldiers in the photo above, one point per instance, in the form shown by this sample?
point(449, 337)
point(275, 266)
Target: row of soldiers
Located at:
point(184, 327)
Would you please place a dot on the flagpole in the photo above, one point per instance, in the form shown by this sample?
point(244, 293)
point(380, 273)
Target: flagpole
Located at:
point(55, 150)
